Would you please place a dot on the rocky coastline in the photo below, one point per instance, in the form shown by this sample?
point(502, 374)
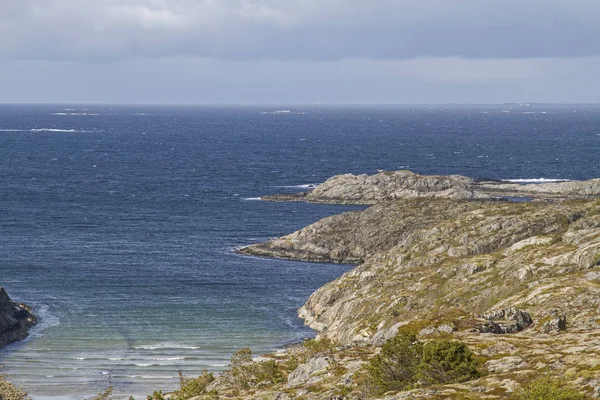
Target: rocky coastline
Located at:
point(519, 282)
point(15, 320)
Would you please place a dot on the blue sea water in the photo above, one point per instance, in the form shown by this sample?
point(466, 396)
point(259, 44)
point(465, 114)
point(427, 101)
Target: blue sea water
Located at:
point(118, 223)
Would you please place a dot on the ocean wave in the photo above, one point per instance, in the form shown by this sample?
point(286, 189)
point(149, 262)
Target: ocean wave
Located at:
point(149, 377)
point(73, 113)
point(46, 320)
point(306, 186)
point(536, 180)
point(162, 346)
point(252, 199)
point(45, 130)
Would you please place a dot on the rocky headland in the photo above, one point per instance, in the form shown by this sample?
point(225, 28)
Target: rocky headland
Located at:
point(15, 320)
point(393, 185)
point(518, 282)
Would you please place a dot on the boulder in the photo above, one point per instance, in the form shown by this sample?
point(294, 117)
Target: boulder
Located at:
point(306, 372)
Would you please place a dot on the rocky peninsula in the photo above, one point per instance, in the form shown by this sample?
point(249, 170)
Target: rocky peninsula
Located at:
point(15, 320)
point(447, 257)
point(393, 185)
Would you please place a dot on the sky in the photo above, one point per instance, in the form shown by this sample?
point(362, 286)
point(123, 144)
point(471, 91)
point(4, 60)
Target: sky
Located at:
point(299, 51)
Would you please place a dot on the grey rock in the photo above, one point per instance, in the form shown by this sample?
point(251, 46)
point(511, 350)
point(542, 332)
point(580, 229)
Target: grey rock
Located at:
point(511, 320)
point(505, 364)
point(555, 325)
point(305, 372)
point(384, 335)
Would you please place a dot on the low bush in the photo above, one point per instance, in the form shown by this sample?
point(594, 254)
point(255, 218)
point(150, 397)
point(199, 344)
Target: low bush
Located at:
point(192, 387)
point(405, 363)
point(244, 373)
point(446, 361)
point(396, 367)
point(547, 388)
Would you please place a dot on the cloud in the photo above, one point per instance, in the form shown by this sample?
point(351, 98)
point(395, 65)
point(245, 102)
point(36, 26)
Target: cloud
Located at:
point(87, 30)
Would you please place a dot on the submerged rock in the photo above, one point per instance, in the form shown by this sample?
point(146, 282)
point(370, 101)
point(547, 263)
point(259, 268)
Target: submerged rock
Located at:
point(15, 320)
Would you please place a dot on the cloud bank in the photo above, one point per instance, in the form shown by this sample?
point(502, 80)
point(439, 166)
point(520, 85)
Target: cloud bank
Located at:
point(313, 30)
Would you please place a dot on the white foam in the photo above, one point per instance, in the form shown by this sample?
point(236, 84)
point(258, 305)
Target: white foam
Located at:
point(306, 186)
point(536, 180)
point(166, 346)
point(252, 198)
point(54, 130)
point(46, 320)
point(44, 130)
point(149, 377)
point(74, 114)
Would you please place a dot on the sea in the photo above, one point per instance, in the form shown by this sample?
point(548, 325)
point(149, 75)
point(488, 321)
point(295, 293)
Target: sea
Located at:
point(119, 224)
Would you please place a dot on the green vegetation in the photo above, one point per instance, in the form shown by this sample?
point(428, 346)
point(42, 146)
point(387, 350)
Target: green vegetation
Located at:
point(245, 373)
point(10, 392)
point(190, 387)
point(446, 361)
point(405, 363)
point(547, 388)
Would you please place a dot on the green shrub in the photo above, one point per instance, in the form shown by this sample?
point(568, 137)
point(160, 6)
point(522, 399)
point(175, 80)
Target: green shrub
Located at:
point(547, 388)
point(405, 363)
point(192, 387)
point(446, 361)
point(314, 346)
point(397, 366)
point(245, 373)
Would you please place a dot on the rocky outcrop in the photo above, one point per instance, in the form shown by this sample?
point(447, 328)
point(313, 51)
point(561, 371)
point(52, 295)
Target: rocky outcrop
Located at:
point(15, 320)
point(518, 282)
point(385, 186)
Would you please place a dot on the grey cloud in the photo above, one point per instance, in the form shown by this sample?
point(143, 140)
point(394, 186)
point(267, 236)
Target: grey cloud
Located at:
point(298, 29)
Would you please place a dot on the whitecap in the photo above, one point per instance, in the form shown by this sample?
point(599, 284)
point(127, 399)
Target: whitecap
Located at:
point(536, 180)
point(54, 130)
point(46, 320)
point(252, 198)
point(165, 346)
point(305, 186)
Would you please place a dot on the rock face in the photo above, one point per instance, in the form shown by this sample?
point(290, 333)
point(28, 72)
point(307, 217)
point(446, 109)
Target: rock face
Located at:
point(385, 186)
point(461, 260)
point(15, 320)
